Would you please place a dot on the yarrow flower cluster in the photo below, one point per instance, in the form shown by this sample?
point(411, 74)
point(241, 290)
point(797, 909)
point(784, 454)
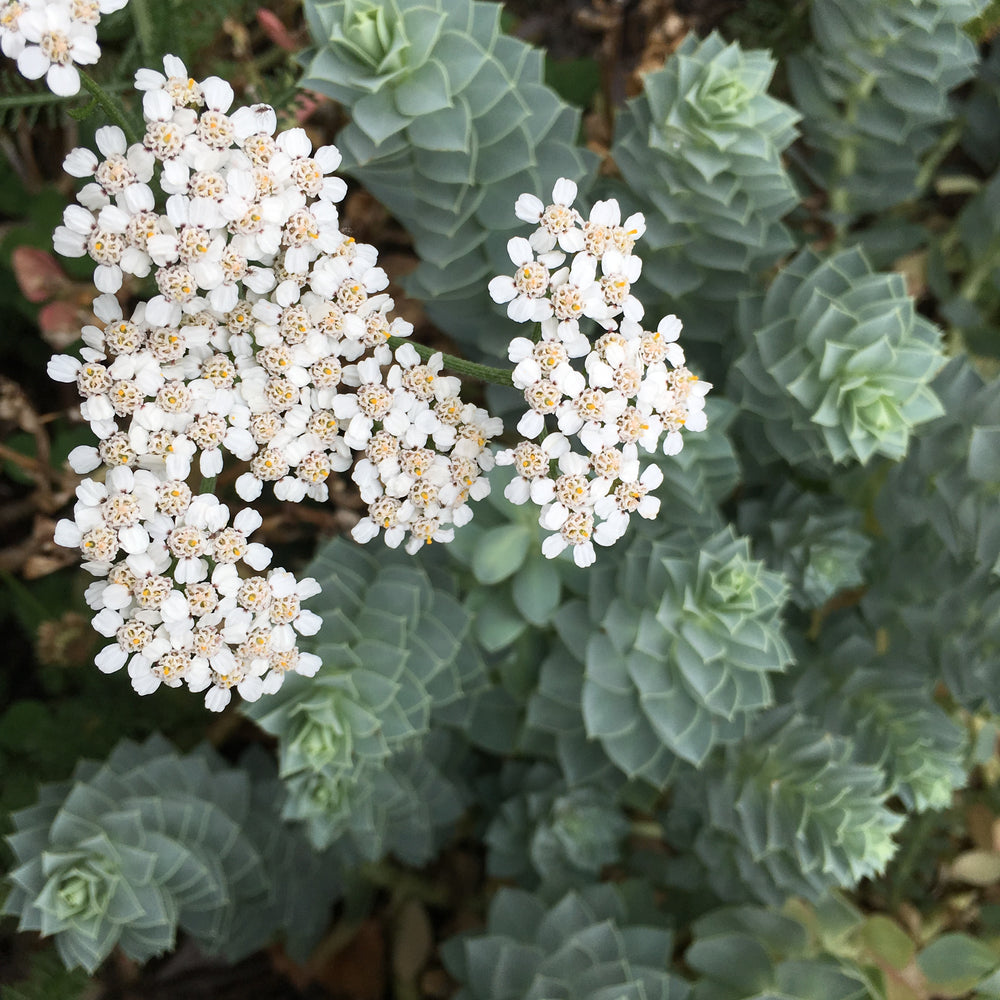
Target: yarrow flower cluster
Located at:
point(267, 340)
point(623, 389)
point(49, 38)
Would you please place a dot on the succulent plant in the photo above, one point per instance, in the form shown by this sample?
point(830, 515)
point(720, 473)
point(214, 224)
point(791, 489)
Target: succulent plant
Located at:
point(950, 480)
point(451, 122)
point(884, 704)
point(500, 549)
point(874, 90)
point(696, 480)
point(149, 842)
point(700, 150)
point(775, 959)
point(593, 944)
point(838, 363)
point(951, 633)
point(980, 110)
point(689, 631)
point(787, 811)
point(815, 541)
point(548, 834)
point(555, 709)
point(392, 650)
point(405, 806)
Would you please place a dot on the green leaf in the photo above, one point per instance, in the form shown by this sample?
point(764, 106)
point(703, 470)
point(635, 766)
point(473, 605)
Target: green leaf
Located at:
point(888, 941)
point(984, 454)
point(536, 591)
point(956, 962)
point(734, 959)
point(500, 553)
point(497, 624)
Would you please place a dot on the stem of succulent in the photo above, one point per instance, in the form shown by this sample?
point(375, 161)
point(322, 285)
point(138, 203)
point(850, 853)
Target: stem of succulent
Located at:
point(114, 111)
point(918, 831)
point(985, 264)
point(939, 151)
point(461, 367)
point(839, 196)
point(388, 876)
point(647, 829)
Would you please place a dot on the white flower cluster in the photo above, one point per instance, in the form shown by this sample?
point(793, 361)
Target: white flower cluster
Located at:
point(171, 595)
point(621, 390)
point(47, 37)
point(267, 340)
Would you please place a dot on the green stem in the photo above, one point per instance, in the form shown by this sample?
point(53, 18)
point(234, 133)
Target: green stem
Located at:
point(145, 29)
point(983, 268)
point(847, 155)
point(919, 831)
point(945, 144)
point(461, 367)
point(403, 883)
point(111, 108)
point(646, 828)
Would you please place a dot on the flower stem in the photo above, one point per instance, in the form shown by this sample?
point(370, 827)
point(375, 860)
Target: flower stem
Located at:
point(145, 29)
point(114, 111)
point(461, 367)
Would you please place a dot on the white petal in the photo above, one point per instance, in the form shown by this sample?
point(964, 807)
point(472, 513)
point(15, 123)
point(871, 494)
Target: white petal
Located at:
point(65, 80)
point(308, 623)
point(257, 556)
point(32, 63)
point(110, 659)
point(564, 191)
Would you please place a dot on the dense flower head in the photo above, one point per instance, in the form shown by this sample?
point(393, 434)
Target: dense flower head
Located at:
point(267, 340)
point(50, 38)
point(601, 387)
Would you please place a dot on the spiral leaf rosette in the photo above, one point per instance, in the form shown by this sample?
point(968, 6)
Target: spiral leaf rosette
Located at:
point(594, 944)
point(886, 708)
point(776, 959)
point(406, 805)
point(451, 122)
point(548, 834)
point(788, 811)
point(951, 632)
point(950, 480)
point(149, 842)
point(690, 631)
point(838, 364)
point(702, 144)
point(874, 90)
point(815, 540)
point(393, 650)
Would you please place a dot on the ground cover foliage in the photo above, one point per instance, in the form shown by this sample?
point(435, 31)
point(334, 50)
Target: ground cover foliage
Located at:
point(751, 751)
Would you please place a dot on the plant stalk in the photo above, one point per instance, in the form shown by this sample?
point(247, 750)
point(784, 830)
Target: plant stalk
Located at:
point(114, 111)
point(461, 367)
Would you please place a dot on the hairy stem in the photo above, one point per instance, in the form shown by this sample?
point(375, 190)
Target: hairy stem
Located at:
point(114, 111)
point(461, 367)
point(145, 29)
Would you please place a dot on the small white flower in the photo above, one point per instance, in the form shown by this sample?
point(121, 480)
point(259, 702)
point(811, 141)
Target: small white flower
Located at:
point(54, 42)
